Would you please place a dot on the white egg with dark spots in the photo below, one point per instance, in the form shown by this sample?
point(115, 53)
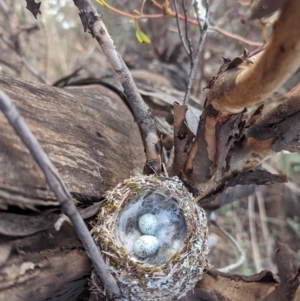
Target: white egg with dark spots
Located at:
point(145, 246)
point(148, 224)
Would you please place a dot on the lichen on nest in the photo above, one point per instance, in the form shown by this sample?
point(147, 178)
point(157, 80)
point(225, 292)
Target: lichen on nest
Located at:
point(181, 258)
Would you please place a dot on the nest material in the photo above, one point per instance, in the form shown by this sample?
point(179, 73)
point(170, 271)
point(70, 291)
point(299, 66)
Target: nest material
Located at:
point(180, 261)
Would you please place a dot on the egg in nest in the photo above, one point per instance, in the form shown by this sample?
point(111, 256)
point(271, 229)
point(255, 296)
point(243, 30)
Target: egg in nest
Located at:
point(148, 224)
point(145, 246)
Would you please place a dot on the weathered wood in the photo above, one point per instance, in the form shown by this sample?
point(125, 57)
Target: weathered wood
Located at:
point(88, 133)
point(91, 137)
point(216, 286)
point(42, 264)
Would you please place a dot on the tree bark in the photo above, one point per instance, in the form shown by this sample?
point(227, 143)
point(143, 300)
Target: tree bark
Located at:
point(88, 133)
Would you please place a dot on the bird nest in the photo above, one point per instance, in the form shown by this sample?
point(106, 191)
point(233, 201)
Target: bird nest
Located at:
point(180, 260)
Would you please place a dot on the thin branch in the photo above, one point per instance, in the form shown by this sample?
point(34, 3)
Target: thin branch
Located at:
point(179, 29)
point(142, 7)
point(14, 43)
point(4, 8)
point(8, 64)
point(242, 257)
point(194, 61)
point(181, 17)
point(28, 28)
point(58, 187)
point(188, 39)
point(173, 165)
point(264, 226)
point(133, 16)
point(91, 20)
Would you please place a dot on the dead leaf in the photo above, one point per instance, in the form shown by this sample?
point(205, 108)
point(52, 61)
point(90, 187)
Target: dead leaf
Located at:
point(289, 274)
point(265, 7)
point(34, 7)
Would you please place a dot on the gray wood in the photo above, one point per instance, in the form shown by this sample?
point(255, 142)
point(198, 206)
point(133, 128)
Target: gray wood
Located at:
point(88, 133)
point(91, 137)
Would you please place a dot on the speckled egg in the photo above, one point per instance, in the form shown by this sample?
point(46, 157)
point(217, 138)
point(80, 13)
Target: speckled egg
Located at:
point(145, 246)
point(148, 224)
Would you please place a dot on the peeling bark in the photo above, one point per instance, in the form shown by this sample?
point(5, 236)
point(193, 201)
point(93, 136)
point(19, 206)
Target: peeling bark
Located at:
point(289, 274)
point(264, 286)
point(240, 83)
point(183, 137)
point(256, 78)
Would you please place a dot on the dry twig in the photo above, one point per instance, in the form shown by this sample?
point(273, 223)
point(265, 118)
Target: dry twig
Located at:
point(264, 226)
point(187, 42)
point(91, 20)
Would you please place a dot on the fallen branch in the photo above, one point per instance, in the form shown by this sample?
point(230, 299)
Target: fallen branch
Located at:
point(58, 187)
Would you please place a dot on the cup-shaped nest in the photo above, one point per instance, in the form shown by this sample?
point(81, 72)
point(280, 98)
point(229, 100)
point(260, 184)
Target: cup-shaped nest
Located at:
point(178, 263)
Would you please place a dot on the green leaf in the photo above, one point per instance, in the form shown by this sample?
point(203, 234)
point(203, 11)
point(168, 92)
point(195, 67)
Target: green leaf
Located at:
point(142, 38)
point(136, 11)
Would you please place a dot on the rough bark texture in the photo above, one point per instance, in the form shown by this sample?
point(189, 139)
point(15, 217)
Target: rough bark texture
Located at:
point(217, 286)
point(88, 132)
point(43, 264)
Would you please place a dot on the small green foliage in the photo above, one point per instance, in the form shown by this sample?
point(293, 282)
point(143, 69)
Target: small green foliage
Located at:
point(142, 37)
